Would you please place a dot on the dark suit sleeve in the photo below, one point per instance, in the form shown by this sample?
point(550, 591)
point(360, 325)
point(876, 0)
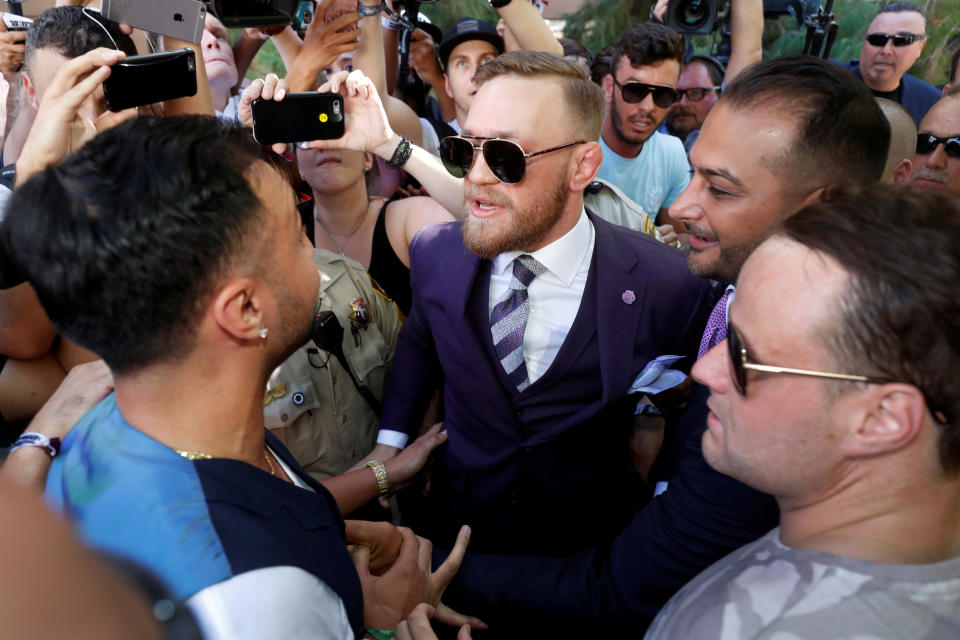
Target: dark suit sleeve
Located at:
point(415, 372)
point(619, 588)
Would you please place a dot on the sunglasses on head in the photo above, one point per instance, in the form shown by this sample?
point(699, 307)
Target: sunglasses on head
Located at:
point(899, 39)
point(633, 92)
point(927, 143)
point(695, 94)
point(507, 160)
point(740, 363)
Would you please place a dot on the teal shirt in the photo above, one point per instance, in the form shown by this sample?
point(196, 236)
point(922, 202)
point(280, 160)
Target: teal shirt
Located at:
point(655, 178)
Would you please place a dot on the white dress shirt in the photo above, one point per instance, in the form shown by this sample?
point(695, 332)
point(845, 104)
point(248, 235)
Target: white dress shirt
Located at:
point(554, 298)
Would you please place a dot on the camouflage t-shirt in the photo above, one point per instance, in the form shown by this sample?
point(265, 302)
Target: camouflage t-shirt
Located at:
point(769, 590)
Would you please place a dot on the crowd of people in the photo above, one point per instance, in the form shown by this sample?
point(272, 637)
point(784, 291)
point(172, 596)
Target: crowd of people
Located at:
point(546, 344)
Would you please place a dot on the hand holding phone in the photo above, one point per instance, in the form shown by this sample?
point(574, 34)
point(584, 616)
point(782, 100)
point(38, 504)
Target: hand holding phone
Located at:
point(154, 77)
point(298, 117)
point(180, 19)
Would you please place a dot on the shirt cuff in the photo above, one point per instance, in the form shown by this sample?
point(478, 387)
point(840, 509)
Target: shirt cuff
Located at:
point(392, 438)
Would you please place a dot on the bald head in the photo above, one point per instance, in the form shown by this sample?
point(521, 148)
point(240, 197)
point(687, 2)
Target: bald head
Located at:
point(903, 142)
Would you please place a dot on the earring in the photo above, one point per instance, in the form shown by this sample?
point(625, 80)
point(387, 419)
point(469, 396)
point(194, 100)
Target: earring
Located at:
point(263, 332)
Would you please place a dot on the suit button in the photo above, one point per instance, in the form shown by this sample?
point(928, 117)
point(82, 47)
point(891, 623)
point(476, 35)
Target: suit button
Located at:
point(513, 498)
point(527, 449)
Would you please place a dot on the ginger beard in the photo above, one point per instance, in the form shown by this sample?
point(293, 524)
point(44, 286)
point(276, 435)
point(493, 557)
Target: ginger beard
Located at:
point(515, 229)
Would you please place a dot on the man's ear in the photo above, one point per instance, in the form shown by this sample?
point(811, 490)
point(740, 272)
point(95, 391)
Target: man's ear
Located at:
point(237, 309)
point(31, 90)
point(446, 87)
point(608, 89)
point(888, 417)
point(586, 162)
point(901, 173)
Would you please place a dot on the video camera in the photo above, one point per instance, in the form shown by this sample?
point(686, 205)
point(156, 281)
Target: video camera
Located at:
point(700, 17)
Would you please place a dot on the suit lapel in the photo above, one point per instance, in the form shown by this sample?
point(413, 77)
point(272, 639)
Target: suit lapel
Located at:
point(620, 300)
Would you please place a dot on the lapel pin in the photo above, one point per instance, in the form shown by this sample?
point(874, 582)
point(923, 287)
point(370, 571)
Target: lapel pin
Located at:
point(628, 296)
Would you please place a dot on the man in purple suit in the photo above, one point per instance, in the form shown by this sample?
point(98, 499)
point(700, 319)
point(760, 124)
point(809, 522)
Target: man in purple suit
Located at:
point(537, 315)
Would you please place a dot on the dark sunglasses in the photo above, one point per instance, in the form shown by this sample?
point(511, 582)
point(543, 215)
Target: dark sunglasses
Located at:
point(740, 363)
point(695, 94)
point(927, 143)
point(634, 92)
point(899, 39)
point(507, 160)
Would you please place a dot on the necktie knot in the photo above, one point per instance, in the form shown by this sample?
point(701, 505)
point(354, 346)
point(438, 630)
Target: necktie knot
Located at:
point(525, 269)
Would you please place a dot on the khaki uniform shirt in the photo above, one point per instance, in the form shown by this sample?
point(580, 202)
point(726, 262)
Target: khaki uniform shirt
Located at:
point(310, 402)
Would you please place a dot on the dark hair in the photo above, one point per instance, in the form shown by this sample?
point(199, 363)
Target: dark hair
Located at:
point(714, 67)
point(574, 48)
point(602, 63)
point(902, 7)
point(73, 32)
point(647, 43)
point(954, 59)
point(842, 134)
point(951, 92)
point(127, 238)
point(900, 315)
point(585, 101)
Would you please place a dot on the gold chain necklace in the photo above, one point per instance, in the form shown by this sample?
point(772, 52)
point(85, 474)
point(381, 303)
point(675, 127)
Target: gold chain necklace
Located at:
point(199, 455)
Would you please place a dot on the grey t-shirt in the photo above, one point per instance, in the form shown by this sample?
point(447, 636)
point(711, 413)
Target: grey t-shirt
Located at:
point(768, 590)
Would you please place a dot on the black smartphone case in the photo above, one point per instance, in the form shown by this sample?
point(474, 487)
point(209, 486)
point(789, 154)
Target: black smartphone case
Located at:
point(299, 117)
point(150, 78)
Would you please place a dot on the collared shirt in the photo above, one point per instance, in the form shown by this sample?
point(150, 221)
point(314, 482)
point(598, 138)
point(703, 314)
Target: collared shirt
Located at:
point(554, 295)
point(554, 298)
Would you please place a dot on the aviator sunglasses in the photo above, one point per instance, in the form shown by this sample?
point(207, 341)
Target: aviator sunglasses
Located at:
point(507, 160)
point(899, 39)
point(927, 143)
point(740, 363)
point(633, 92)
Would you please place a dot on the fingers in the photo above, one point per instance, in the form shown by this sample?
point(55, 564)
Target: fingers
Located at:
point(417, 624)
point(425, 555)
point(451, 618)
point(464, 633)
point(272, 89)
point(360, 554)
point(370, 533)
point(445, 572)
point(96, 61)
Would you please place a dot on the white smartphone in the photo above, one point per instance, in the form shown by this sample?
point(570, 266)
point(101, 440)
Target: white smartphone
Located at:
point(181, 19)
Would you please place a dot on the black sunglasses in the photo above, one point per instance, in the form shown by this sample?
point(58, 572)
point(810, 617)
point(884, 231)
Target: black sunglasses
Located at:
point(633, 92)
point(507, 160)
point(740, 363)
point(695, 94)
point(899, 39)
point(927, 143)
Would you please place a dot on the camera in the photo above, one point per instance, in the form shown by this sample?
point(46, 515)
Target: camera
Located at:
point(700, 17)
point(254, 13)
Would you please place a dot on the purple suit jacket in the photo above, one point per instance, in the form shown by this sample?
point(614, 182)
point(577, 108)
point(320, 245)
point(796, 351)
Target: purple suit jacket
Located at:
point(553, 459)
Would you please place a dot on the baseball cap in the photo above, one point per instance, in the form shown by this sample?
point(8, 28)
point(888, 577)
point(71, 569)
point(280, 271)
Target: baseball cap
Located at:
point(468, 29)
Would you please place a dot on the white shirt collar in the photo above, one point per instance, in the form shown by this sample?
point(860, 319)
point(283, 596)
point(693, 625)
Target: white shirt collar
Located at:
point(562, 257)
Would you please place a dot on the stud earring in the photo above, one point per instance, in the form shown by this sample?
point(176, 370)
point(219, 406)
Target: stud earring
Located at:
point(263, 332)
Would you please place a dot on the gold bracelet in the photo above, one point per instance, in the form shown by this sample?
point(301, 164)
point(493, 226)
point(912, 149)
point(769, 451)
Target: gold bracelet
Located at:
point(383, 488)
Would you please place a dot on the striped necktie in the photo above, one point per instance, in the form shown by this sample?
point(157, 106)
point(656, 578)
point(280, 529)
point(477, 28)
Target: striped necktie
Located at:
point(509, 320)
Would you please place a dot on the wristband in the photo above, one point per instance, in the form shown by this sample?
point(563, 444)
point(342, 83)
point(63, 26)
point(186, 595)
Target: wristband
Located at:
point(400, 155)
point(367, 10)
point(381, 634)
point(40, 441)
point(392, 25)
point(383, 488)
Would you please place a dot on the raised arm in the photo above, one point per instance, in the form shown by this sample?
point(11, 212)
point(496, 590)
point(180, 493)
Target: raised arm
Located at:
point(746, 36)
point(368, 129)
point(323, 42)
point(526, 29)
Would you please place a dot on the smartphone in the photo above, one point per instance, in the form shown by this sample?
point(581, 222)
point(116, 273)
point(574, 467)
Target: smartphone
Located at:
point(181, 19)
point(299, 117)
point(154, 77)
point(255, 13)
point(15, 22)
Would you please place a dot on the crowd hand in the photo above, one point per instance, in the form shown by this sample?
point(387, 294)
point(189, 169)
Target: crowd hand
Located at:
point(59, 127)
point(85, 385)
point(411, 192)
point(405, 465)
point(674, 397)
point(660, 9)
point(668, 234)
point(11, 49)
point(417, 626)
point(367, 128)
point(270, 88)
point(424, 60)
point(324, 42)
point(389, 598)
point(382, 539)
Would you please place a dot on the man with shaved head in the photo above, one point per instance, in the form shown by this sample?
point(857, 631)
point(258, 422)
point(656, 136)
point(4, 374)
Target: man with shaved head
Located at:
point(937, 161)
point(903, 142)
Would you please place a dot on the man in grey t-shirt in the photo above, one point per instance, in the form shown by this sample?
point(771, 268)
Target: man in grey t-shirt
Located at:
point(852, 422)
